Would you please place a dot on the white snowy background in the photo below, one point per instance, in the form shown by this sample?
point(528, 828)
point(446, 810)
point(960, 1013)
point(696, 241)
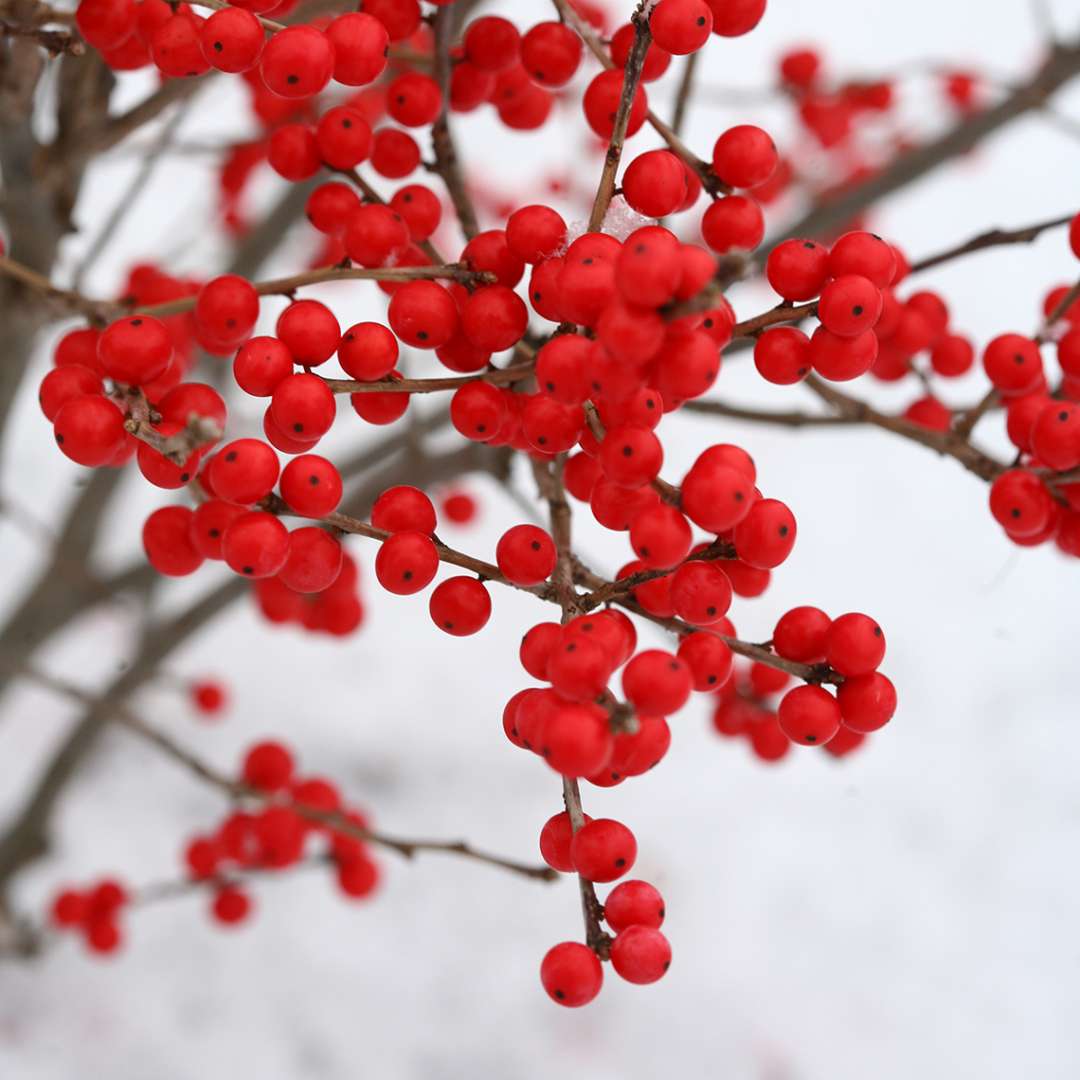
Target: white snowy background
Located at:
point(907, 911)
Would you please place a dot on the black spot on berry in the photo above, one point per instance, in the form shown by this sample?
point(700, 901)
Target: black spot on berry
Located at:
point(218, 46)
point(313, 480)
point(298, 428)
point(857, 309)
point(535, 545)
point(231, 455)
point(783, 530)
point(627, 451)
point(249, 570)
point(292, 80)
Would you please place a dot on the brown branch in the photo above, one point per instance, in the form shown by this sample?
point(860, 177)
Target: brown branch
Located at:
point(612, 591)
point(991, 238)
point(54, 42)
point(372, 195)
point(631, 81)
point(447, 164)
point(1061, 65)
point(592, 910)
point(686, 88)
point(549, 481)
point(783, 418)
point(236, 789)
point(102, 310)
point(286, 286)
point(496, 376)
point(1058, 313)
point(710, 181)
point(97, 311)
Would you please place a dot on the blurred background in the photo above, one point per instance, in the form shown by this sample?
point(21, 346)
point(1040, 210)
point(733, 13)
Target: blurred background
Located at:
point(908, 909)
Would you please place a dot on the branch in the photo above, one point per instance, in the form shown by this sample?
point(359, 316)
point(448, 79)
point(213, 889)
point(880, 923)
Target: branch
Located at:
point(631, 80)
point(1061, 65)
point(710, 181)
point(686, 87)
point(234, 789)
point(103, 310)
point(496, 376)
point(447, 164)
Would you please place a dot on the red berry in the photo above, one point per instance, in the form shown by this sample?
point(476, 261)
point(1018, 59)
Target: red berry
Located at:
point(232, 40)
point(208, 524)
point(403, 509)
point(526, 555)
point(801, 635)
point(661, 536)
point(782, 355)
point(601, 104)
point(733, 18)
point(414, 99)
point(311, 486)
point(492, 43)
point(734, 223)
point(1020, 503)
point(255, 544)
point(765, 537)
point(701, 592)
point(681, 26)
point(867, 702)
point(551, 53)
point(303, 406)
point(849, 305)
point(309, 331)
point(407, 563)
point(261, 364)
point(634, 903)
point(297, 62)
point(744, 156)
point(798, 269)
point(167, 541)
point(423, 314)
point(640, 954)
point(842, 358)
point(555, 839)
point(854, 644)
point(657, 683)
point(63, 384)
point(343, 137)
point(135, 350)
point(314, 561)
point(231, 906)
point(654, 183)
point(268, 766)
point(535, 233)
point(1013, 364)
point(360, 44)
point(571, 974)
point(243, 471)
point(603, 850)
point(864, 254)
point(460, 606)
point(709, 659)
point(809, 715)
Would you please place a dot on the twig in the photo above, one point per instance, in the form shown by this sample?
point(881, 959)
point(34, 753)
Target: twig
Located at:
point(496, 376)
point(236, 789)
point(710, 181)
point(686, 87)
point(631, 80)
point(992, 238)
point(447, 164)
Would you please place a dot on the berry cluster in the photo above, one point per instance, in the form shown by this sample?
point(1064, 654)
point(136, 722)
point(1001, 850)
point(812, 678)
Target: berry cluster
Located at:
point(611, 322)
point(94, 912)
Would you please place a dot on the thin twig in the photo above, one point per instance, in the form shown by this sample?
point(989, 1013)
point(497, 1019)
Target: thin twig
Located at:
point(631, 81)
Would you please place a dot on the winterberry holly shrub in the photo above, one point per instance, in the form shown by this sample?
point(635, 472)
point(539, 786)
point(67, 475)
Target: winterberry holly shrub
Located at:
point(573, 329)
